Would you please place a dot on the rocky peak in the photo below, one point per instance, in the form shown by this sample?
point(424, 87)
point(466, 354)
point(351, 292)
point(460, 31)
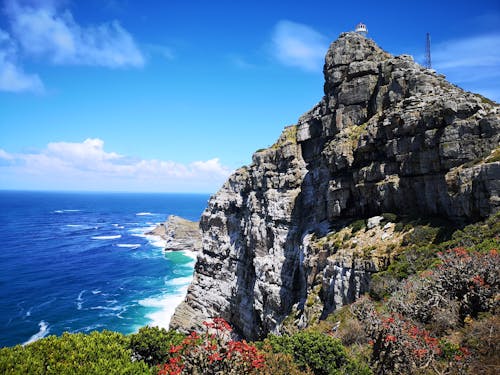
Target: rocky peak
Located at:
point(351, 55)
point(388, 136)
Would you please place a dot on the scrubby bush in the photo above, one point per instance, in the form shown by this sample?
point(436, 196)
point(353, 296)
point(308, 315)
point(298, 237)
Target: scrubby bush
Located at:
point(320, 353)
point(389, 216)
point(281, 364)
point(399, 346)
point(465, 282)
point(382, 284)
point(352, 332)
point(483, 236)
point(95, 353)
point(152, 344)
point(482, 337)
point(358, 225)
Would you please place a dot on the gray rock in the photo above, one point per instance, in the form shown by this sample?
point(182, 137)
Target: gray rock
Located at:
point(374, 222)
point(179, 234)
point(388, 136)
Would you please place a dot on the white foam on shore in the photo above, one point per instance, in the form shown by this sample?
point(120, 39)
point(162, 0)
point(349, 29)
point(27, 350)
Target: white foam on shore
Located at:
point(129, 245)
point(140, 232)
point(153, 240)
point(107, 237)
point(157, 241)
point(165, 306)
point(178, 281)
point(44, 331)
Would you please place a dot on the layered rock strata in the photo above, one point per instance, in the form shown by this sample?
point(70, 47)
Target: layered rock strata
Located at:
point(388, 136)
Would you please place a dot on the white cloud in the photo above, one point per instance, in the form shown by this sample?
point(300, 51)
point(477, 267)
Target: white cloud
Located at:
point(12, 76)
point(478, 51)
point(473, 63)
point(87, 166)
point(45, 30)
point(5, 155)
point(298, 45)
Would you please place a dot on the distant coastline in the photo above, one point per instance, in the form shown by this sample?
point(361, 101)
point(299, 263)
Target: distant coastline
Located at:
point(179, 234)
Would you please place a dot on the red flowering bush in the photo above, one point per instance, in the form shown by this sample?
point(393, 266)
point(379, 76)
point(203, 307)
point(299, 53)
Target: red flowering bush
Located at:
point(464, 283)
point(400, 346)
point(213, 353)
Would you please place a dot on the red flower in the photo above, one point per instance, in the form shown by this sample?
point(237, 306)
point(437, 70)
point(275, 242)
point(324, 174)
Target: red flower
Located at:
point(221, 324)
point(390, 338)
point(214, 357)
point(176, 348)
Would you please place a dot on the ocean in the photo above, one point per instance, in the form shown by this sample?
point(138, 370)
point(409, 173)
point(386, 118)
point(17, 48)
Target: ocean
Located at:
point(79, 262)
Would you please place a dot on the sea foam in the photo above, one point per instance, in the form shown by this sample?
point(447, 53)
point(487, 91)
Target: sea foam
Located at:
point(180, 281)
point(164, 307)
point(44, 331)
point(107, 237)
point(129, 245)
point(79, 300)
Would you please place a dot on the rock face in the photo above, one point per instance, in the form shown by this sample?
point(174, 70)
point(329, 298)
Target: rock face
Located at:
point(179, 234)
point(388, 136)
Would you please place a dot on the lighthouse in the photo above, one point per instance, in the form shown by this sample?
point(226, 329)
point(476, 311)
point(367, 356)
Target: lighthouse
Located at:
point(361, 29)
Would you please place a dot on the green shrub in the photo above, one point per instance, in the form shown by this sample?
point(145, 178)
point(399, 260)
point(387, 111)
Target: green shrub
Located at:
point(389, 216)
point(152, 344)
point(320, 353)
point(421, 235)
point(484, 236)
point(95, 353)
point(358, 225)
point(281, 364)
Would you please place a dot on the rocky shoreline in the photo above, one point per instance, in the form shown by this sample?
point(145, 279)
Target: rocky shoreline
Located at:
point(179, 234)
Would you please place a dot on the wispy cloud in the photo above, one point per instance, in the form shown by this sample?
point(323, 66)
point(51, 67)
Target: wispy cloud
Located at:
point(164, 51)
point(46, 30)
point(240, 62)
point(477, 51)
point(472, 62)
point(87, 165)
point(298, 45)
point(12, 76)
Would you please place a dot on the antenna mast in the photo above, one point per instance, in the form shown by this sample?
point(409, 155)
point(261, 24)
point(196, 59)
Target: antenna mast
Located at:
point(428, 61)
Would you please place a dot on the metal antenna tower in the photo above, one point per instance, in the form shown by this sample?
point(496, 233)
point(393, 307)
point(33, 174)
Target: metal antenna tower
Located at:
point(428, 61)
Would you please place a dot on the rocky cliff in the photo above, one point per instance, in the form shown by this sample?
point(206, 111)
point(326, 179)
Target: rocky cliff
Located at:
point(179, 234)
point(388, 136)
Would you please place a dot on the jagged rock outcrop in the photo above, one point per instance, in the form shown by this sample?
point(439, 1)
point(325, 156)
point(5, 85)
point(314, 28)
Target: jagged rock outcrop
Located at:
point(388, 136)
point(179, 234)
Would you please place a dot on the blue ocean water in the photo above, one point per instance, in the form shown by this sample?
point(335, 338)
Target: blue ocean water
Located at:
point(79, 262)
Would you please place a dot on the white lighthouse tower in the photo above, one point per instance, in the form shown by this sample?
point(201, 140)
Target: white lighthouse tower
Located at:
point(361, 29)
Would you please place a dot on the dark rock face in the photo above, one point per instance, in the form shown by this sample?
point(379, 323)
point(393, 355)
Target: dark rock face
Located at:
point(388, 136)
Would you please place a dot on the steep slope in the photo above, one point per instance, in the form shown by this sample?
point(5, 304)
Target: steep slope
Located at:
point(388, 136)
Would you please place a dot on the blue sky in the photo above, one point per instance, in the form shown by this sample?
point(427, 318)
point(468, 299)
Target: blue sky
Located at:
point(173, 95)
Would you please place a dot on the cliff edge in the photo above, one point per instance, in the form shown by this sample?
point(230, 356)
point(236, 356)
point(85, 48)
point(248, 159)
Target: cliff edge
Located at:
point(388, 136)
